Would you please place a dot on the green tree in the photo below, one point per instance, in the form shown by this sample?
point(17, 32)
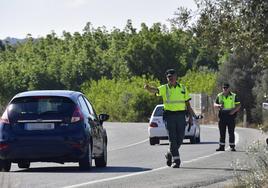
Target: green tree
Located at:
point(154, 50)
point(2, 46)
point(234, 33)
point(200, 81)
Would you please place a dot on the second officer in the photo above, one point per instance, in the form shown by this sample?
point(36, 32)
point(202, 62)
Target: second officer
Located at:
point(228, 104)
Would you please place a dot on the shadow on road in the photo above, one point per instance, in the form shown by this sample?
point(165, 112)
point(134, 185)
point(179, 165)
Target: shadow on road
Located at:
point(108, 169)
point(164, 144)
point(218, 169)
point(208, 143)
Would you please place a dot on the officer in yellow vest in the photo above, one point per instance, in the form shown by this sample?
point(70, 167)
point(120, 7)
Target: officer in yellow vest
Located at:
point(176, 103)
point(228, 104)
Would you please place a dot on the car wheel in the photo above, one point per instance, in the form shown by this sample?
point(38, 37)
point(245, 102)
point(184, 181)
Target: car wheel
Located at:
point(5, 165)
point(102, 161)
point(24, 164)
point(193, 140)
point(86, 161)
point(154, 140)
point(197, 139)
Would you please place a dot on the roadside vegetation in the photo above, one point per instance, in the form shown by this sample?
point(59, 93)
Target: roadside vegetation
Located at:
point(124, 99)
point(254, 168)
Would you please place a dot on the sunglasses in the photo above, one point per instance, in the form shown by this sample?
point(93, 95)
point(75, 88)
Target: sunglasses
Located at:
point(225, 87)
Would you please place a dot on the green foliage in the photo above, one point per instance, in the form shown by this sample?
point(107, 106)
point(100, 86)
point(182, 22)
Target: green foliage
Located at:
point(200, 81)
point(155, 50)
point(2, 46)
point(235, 35)
point(67, 62)
point(123, 99)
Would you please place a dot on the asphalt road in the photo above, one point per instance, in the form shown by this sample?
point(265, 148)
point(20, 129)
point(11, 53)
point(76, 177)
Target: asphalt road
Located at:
point(132, 162)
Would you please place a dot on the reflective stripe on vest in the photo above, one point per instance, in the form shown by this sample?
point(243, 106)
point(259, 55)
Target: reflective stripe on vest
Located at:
point(228, 103)
point(168, 101)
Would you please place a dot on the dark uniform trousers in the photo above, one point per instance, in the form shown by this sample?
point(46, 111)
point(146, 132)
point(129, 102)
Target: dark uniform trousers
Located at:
point(227, 121)
point(175, 124)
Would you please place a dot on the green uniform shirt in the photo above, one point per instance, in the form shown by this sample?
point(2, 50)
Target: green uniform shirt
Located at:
point(174, 98)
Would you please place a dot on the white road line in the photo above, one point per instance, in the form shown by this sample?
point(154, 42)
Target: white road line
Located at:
point(130, 145)
point(145, 172)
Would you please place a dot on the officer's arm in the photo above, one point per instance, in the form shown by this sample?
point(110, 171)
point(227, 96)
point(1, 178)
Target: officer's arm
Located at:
point(217, 104)
point(236, 109)
point(190, 111)
point(151, 89)
point(237, 106)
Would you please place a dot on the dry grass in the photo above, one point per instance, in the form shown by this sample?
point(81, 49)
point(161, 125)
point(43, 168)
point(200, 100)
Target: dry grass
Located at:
point(253, 172)
point(264, 126)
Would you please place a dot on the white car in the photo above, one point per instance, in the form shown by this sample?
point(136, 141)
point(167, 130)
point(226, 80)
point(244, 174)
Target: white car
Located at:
point(157, 130)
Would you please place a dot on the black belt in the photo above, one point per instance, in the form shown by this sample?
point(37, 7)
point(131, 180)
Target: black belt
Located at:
point(224, 112)
point(168, 112)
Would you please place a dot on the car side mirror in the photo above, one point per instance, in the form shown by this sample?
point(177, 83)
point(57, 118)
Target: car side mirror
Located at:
point(103, 117)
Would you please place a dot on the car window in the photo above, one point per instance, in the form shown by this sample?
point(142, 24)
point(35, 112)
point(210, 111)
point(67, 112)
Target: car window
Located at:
point(83, 106)
point(91, 109)
point(158, 111)
point(27, 107)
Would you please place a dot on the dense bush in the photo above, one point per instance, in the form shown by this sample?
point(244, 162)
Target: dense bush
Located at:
point(200, 81)
point(123, 99)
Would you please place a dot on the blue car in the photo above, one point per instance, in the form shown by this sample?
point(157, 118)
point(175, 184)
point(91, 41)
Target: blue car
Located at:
point(52, 126)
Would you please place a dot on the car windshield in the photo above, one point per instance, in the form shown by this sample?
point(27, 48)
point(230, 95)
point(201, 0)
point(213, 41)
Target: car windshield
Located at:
point(158, 111)
point(40, 106)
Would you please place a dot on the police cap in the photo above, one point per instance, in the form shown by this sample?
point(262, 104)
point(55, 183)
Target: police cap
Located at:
point(226, 85)
point(170, 72)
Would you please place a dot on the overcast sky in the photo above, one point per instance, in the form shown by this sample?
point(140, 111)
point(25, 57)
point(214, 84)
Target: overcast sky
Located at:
point(40, 17)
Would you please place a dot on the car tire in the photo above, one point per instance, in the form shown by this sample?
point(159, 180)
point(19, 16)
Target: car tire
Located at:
point(102, 161)
point(24, 164)
point(198, 139)
point(193, 140)
point(154, 140)
point(5, 165)
point(86, 161)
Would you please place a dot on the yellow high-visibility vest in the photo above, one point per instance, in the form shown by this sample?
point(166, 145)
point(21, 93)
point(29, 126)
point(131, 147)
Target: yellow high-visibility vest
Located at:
point(227, 101)
point(174, 98)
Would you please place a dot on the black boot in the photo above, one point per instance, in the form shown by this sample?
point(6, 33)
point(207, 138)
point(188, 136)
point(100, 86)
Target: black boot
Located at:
point(176, 163)
point(233, 148)
point(221, 148)
point(169, 158)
